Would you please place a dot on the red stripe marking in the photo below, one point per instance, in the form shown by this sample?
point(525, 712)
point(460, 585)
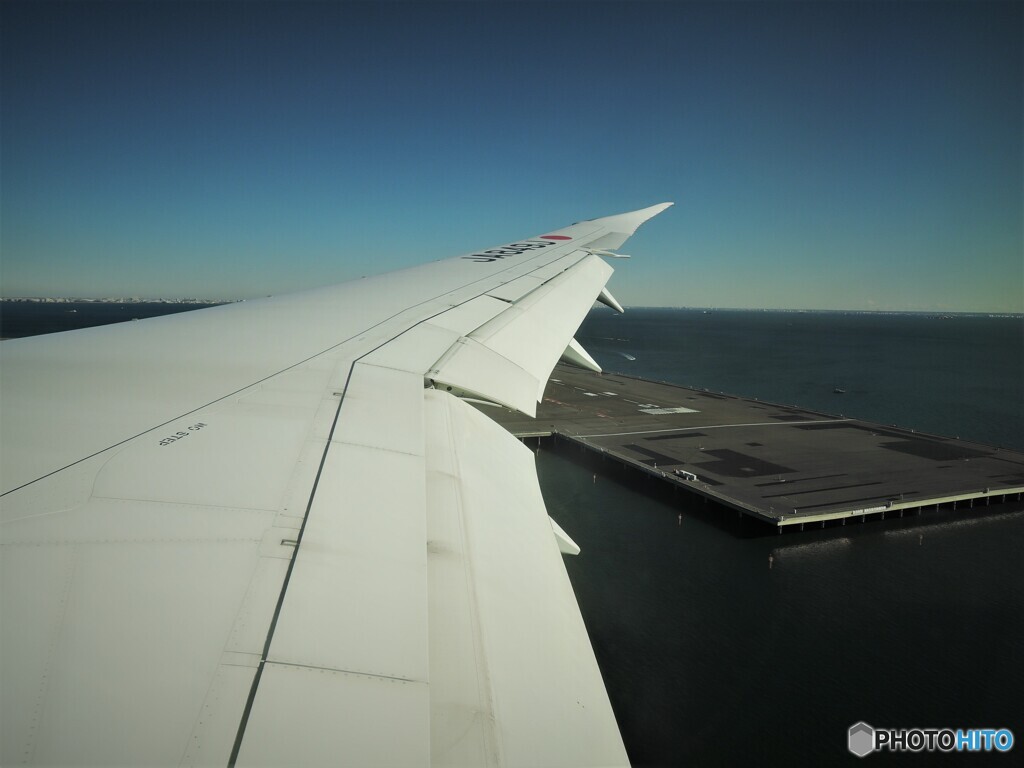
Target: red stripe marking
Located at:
point(555, 237)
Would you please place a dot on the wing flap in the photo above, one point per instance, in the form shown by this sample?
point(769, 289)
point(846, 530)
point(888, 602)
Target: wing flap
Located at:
point(476, 370)
point(356, 596)
point(513, 676)
point(346, 669)
point(531, 334)
point(363, 544)
point(430, 587)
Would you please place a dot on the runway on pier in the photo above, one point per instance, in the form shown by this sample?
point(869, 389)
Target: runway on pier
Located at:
point(783, 465)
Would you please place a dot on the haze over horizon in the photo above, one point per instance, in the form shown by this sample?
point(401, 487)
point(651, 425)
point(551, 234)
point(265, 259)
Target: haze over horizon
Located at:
point(848, 156)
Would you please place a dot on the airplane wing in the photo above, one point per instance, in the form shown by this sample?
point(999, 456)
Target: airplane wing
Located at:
point(272, 533)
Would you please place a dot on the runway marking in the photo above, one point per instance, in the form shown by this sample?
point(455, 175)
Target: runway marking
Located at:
point(717, 426)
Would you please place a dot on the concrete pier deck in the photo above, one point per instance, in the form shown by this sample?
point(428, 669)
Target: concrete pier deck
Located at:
point(779, 464)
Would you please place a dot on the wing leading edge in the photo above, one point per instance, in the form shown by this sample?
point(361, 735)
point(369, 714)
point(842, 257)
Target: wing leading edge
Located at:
point(336, 558)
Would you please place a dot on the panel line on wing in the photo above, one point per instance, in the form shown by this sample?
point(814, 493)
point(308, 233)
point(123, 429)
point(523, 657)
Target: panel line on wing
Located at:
point(291, 565)
point(361, 530)
point(270, 376)
point(358, 672)
point(247, 711)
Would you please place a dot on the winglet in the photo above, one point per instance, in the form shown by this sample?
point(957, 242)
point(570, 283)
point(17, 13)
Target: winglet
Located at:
point(622, 226)
point(628, 223)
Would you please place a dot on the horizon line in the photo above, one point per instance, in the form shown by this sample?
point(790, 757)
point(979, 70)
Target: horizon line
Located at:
point(195, 300)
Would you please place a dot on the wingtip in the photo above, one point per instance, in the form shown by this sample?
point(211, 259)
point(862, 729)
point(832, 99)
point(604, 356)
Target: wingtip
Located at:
point(629, 222)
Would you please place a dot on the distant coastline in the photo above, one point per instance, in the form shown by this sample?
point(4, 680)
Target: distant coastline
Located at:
point(34, 316)
point(111, 300)
point(938, 313)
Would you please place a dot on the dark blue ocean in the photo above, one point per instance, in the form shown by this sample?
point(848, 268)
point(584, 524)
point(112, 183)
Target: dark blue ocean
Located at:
point(24, 318)
point(958, 375)
point(723, 645)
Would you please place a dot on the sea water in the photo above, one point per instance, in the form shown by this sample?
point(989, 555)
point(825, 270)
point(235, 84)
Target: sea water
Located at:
point(721, 644)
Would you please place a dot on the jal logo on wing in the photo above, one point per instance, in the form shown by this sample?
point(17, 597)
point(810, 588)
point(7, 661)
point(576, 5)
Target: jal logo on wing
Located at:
point(517, 249)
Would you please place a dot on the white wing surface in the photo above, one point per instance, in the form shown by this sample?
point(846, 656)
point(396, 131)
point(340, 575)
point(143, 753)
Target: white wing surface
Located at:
point(271, 533)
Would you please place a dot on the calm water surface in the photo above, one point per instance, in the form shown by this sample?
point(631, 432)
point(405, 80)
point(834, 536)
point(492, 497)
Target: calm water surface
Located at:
point(723, 646)
point(18, 319)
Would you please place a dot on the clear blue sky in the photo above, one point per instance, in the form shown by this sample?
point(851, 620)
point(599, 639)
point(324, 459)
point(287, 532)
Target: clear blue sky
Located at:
point(821, 155)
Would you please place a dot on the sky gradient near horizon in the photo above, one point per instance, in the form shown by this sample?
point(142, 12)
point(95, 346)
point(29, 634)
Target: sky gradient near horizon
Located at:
point(820, 155)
